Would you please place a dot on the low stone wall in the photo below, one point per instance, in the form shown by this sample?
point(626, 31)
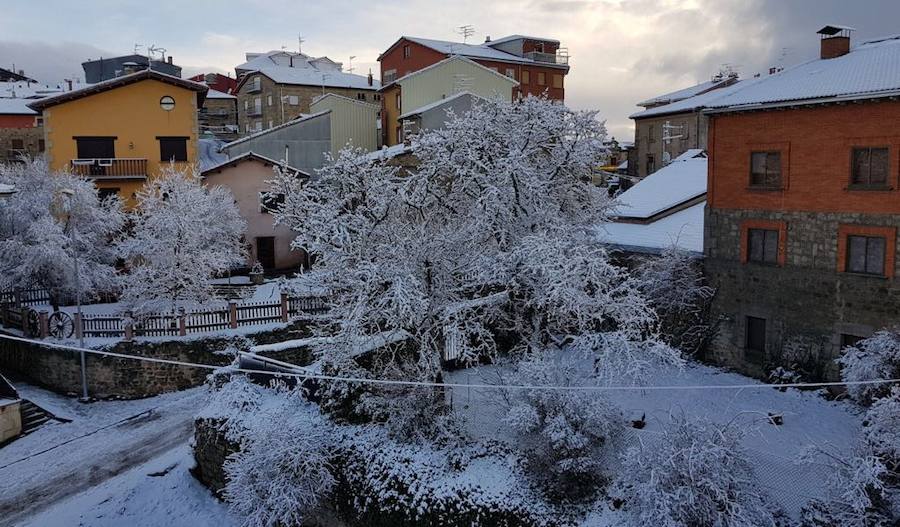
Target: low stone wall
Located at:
point(113, 377)
point(10, 419)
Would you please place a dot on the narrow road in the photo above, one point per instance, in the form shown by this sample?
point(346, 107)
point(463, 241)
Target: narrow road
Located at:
point(37, 482)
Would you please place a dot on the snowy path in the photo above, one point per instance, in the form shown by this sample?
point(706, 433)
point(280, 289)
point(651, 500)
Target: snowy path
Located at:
point(104, 440)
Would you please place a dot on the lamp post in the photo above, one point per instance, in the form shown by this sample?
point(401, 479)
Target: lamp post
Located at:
point(79, 326)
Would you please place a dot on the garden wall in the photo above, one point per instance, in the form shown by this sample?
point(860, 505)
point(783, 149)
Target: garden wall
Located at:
point(113, 377)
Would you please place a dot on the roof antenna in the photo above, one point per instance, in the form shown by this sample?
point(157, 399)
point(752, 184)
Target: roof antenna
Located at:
point(466, 31)
point(300, 42)
point(350, 69)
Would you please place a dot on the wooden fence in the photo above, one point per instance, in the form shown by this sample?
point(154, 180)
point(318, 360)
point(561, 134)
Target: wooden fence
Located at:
point(183, 323)
point(24, 297)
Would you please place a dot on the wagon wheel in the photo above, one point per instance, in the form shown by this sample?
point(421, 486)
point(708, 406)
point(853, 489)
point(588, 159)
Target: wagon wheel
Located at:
point(33, 322)
point(61, 325)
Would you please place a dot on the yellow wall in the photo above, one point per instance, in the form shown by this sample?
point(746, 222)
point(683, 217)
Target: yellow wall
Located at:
point(132, 114)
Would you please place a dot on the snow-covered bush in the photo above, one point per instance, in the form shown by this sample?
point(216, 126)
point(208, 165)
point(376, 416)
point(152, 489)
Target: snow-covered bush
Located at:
point(282, 471)
point(881, 430)
point(874, 358)
point(184, 233)
point(385, 483)
point(675, 287)
point(695, 473)
point(799, 360)
point(565, 435)
point(53, 218)
point(858, 495)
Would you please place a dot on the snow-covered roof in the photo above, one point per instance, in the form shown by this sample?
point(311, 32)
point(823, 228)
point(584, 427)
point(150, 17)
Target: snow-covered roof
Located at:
point(695, 103)
point(16, 107)
point(309, 76)
point(292, 122)
point(91, 89)
point(680, 181)
point(520, 37)
point(246, 156)
point(480, 51)
point(280, 57)
point(438, 103)
point(683, 93)
point(683, 229)
point(27, 90)
point(388, 152)
point(210, 153)
point(216, 94)
point(870, 69)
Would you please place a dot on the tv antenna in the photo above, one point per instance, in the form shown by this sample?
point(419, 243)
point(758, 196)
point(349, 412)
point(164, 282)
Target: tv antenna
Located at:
point(466, 31)
point(153, 50)
point(350, 68)
point(137, 48)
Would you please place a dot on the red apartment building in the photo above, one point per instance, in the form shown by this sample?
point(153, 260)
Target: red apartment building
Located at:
point(801, 228)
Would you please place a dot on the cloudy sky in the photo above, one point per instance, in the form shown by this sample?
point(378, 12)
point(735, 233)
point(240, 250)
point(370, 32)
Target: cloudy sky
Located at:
point(623, 51)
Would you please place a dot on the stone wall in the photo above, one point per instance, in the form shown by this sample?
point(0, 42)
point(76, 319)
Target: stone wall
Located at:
point(10, 419)
point(31, 138)
point(805, 302)
point(113, 377)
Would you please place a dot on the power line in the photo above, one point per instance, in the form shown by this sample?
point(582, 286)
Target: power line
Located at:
point(428, 384)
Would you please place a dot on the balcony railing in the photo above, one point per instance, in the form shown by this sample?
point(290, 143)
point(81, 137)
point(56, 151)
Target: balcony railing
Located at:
point(254, 86)
point(254, 112)
point(110, 168)
point(549, 58)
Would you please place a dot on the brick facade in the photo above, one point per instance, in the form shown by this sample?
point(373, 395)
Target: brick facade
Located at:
point(271, 110)
point(807, 295)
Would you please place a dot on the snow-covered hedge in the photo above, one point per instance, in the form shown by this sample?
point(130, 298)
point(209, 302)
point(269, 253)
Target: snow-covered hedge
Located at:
point(877, 357)
point(696, 473)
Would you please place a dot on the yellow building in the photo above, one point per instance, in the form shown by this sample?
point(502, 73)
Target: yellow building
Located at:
point(122, 131)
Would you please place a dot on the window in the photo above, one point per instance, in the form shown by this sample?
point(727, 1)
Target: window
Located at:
point(246, 104)
point(399, 135)
point(271, 123)
point(247, 127)
point(377, 97)
point(269, 100)
point(42, 146)
point(388, 76)
point(407, 51)
point(870, 167)
point(269, 202)
point(755, 342)
point(850, 340)
point(511, 73)
point(293, 100)
point(173, 148)
point(765, 169)
point(651, 164)
point(95, 147)
point(18, 144)
point(360, 96)
point(526, 77)
point(762, 246)
point(557, 80)
point(865, 254)
point(398, 101)
point(104, 193)
point(542, 78)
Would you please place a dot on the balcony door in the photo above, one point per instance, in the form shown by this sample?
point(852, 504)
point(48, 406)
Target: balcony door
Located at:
point(265, 251)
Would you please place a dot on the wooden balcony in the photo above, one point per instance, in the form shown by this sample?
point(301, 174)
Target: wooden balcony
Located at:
point(110, 168)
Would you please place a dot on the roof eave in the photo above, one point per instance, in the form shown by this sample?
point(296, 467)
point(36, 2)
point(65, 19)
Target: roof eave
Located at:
point(889, 94)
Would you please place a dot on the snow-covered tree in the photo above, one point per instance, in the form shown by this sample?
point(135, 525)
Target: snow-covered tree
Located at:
point(52, 218)
point(674, 285)
point(882, 429)
point(183, 234)
point(695, 473)
point(871, 359)
point(565, 435)
point(491, 229)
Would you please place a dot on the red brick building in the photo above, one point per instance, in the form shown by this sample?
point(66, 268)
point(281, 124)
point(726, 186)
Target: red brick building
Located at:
point(538, 64)
point(801, 227)
point(218, 82)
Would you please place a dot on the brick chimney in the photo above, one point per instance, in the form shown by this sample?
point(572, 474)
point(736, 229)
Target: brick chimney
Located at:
point(370, 79)
point(169, 58)
point(835, 41)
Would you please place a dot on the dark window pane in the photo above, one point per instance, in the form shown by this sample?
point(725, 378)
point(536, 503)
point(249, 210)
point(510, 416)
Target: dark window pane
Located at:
point(860, 166)
point(856, 254)
point(849, 340)
point(878, 166)
point(756, 334)
point(757, 168)
point(773, 169)
point(95, 147)
point(771, 247)
point(756, 242)
point(875, 256)
point(173, 149)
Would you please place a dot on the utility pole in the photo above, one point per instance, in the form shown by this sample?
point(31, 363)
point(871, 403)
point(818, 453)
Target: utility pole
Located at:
point(79, 325)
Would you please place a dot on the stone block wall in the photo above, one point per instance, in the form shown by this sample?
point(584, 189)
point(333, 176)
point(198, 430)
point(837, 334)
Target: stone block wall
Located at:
point(805, 302)
point(10, 419)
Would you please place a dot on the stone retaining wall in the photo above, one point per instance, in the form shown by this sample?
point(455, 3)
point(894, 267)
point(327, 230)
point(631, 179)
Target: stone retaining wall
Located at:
point(114, 377)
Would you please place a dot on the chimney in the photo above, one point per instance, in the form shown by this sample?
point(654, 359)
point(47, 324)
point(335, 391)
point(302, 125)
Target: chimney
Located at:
point(487, 39)
point(835, 41)
point(370, 78)
point(69, 82)
point(169, 59)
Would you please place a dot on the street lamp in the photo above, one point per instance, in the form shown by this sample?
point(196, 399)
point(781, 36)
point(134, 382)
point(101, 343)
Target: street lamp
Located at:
point(69, 194)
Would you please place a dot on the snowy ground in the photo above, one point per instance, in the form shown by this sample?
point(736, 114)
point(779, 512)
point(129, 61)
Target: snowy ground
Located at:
point(92, 471)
